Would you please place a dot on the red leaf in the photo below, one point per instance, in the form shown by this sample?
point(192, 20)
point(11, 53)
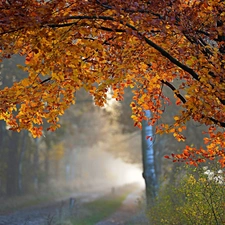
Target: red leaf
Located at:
point(149, 137)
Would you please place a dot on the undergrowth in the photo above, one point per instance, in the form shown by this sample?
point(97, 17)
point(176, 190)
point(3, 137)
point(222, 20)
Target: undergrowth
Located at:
point(197, 198)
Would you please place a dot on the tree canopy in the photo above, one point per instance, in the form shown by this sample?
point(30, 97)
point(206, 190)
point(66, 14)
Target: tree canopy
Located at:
point(98, 44)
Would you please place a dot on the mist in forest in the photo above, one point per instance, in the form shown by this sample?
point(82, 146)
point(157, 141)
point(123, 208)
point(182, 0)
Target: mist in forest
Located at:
point(98, 153)
point(96, 169)
point(93, 149)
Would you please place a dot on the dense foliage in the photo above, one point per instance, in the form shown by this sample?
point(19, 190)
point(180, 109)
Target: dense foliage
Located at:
point(197, 197)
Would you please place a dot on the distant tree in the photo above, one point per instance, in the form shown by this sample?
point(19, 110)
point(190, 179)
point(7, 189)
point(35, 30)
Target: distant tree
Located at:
point(12, 145)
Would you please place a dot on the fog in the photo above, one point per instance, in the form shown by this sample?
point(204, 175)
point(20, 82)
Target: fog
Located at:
point(98, 169)
point(88, 157)
point(94, 150)
point(97, 154)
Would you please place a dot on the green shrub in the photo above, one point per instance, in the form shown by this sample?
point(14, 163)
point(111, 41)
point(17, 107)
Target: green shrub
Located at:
point(196, 198)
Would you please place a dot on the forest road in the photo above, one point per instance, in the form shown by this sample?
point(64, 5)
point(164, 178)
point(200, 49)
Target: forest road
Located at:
point(47, 213)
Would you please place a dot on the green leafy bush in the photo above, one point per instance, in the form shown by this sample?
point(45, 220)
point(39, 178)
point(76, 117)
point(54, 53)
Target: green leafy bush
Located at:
point(198, 197)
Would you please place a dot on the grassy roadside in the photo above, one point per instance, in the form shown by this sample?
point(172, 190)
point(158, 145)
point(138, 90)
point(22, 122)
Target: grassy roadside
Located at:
point(98, 210)
point(21, 202)
point(92, 212)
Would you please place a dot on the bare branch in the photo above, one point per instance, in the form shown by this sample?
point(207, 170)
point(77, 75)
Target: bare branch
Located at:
point(174, 90)
point(46, 80)
point(222, 124)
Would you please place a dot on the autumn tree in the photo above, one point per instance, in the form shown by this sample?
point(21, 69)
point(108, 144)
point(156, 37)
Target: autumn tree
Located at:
point(98, 44)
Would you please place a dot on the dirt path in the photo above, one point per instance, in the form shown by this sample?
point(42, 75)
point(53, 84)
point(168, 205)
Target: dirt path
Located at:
point(129, 209)
point(46, 213)
point(59, 210)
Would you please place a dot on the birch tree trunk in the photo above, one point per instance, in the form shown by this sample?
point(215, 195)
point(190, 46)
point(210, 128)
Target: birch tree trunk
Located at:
point(148, 157)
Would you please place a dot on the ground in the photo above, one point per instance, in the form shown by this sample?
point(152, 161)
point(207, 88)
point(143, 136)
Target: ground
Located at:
point(129, 213)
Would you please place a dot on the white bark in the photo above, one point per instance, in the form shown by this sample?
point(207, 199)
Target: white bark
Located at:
point(149, 171)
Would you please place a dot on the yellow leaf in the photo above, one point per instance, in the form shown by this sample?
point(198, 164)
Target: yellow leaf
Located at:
point(25, 82)
point(176, 118)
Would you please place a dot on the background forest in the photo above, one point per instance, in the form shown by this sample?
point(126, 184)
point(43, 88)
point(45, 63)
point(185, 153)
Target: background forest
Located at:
point(80, 152)
point(77, 155)
point(96, 149)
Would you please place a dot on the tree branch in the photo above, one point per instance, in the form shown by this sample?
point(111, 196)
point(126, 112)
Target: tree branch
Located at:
point(147, 40)
point(222, 124)
point(174, 90)
point(46, 80)
point(106, 6)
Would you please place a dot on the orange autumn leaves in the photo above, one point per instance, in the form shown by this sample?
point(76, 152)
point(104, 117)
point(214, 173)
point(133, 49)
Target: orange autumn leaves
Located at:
point(96, 45)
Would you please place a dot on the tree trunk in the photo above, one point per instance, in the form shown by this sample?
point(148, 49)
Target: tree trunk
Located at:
point(148, 157)
point(20, 171)
point(12, 166)
point(47, 166)
point(36, 166)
